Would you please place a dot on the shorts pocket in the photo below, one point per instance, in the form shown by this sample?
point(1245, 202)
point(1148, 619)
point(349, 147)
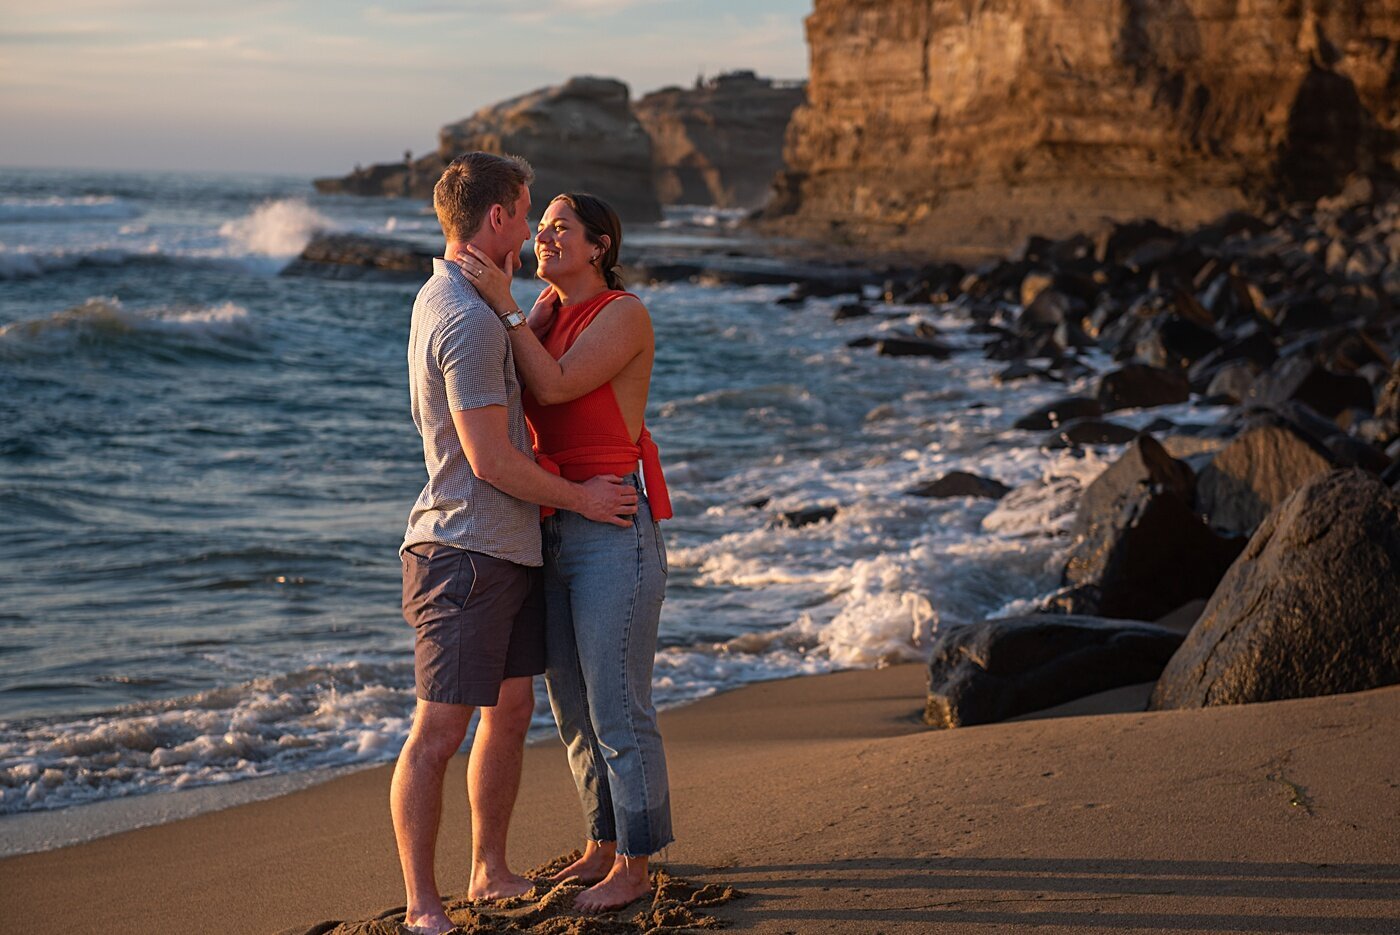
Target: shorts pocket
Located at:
point(436, 585)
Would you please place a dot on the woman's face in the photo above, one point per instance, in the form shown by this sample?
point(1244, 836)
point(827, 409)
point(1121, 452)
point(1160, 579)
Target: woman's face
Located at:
point(562, 246)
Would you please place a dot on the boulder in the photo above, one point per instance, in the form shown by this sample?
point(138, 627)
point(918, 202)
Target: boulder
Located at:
point(1090, 432)
point(1053, 415)
point(1138, 539)
point(996, 669)
point(1311, 607)
point(720, 142)
point(579, 136)
point(961, 484)
point(357, 256)
point(912, 347)
point(1137, 386)
point(850, 310)
point(806, 516)
point(1232, 381)
point(1306, 381)
point(1255, 472)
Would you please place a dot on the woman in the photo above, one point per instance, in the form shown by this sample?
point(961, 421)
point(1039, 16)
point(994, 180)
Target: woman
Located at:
point(586, 361)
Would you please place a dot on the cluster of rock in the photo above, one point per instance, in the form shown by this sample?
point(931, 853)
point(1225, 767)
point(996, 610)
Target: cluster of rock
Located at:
point(939, 126)
point(1284, 517)
point(719, 143)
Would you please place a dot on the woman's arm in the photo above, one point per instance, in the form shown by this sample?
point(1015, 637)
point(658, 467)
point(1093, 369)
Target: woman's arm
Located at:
point(609, 343)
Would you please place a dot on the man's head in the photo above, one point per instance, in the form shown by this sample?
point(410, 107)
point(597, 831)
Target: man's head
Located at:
point(484, 199)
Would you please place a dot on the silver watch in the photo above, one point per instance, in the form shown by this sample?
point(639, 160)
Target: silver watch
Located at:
point(513, 319)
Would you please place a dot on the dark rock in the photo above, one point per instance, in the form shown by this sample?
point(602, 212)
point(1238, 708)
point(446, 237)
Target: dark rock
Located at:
point(987, 672)
point(1353, 452)
point(1053, 415)
point(850, 310)
point(356, 256)
point(1258, 470)
point(1089, 432)
point(1141, 387)
point(1388, 404)
point(1312, 606)
point(1128, 238)
point(864, 341)
point(1083, 599)
point(961, 484)
point(1173, 342)
point(1020, 370)
point(912, 347)
point(1232, 381)
point(758, 503)
point(1138, 538)
point(1308, 382)
point(806, 517)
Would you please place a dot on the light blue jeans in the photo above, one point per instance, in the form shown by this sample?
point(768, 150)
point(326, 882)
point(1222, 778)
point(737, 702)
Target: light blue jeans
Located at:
point(603, 591)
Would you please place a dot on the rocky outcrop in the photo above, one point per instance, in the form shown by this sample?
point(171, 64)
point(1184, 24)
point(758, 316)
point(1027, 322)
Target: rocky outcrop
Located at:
point(721, 142)
point(356, 256)
point(1312, 606)
point(997, 669)
point(579, 136)
point(937, 124)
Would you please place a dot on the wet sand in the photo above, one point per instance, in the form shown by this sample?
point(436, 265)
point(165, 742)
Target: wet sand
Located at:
point(832, 809)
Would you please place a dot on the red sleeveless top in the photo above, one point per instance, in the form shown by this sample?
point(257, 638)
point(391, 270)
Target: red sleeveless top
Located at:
point(588, 436)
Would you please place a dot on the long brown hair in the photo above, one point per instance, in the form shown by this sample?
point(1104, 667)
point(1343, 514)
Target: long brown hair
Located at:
point(599, 219)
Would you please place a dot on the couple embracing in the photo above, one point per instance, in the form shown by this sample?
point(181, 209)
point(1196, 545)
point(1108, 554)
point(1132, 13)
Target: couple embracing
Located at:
point(523, 416)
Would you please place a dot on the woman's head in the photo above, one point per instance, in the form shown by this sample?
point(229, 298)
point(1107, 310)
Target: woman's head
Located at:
point(579, 230)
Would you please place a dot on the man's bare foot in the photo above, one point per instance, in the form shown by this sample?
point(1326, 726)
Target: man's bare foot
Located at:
point(627, 881)
point(428, 923)
point(593, 866)
point(499, 885)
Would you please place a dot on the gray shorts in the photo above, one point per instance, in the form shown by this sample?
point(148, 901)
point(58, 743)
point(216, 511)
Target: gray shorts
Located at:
point(478, 620)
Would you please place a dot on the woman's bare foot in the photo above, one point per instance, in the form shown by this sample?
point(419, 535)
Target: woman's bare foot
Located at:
point(593, 866)
point(503, 884)
point(627, 881)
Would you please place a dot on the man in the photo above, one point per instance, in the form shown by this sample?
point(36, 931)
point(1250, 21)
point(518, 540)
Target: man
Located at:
point(472, 550)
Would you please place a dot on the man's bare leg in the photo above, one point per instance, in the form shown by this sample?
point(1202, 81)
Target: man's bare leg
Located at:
point(593, 866)
point(628, 880)
point(415, 801)
point(493, 779)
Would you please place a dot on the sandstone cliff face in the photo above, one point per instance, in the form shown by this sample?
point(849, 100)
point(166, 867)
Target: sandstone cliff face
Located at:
point(719, 143)
point(579, 136)
point(972, 123)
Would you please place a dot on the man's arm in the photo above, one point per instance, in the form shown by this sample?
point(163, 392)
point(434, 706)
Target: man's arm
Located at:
point(486, 443)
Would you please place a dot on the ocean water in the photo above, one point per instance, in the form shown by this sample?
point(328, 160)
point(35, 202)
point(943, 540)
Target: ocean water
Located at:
point(206, 468)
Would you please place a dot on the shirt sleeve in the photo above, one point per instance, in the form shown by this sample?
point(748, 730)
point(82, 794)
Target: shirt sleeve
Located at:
point(471, 349)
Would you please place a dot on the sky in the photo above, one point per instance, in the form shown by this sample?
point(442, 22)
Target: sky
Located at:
point(316, 86)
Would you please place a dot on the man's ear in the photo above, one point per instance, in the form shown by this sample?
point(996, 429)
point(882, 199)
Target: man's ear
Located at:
point(497, 216)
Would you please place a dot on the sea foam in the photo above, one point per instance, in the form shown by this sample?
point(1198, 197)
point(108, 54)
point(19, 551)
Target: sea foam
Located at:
point(278, 229)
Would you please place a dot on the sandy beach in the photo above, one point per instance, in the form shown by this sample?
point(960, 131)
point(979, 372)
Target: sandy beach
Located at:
point(826, 802)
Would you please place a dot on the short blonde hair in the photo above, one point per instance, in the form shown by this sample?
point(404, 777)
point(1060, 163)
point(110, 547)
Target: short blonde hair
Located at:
point(471, 184)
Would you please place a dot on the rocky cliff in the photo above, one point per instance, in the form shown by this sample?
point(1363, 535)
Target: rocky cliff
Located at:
point(580, 135)
point(970, 123)
point(721, 142)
